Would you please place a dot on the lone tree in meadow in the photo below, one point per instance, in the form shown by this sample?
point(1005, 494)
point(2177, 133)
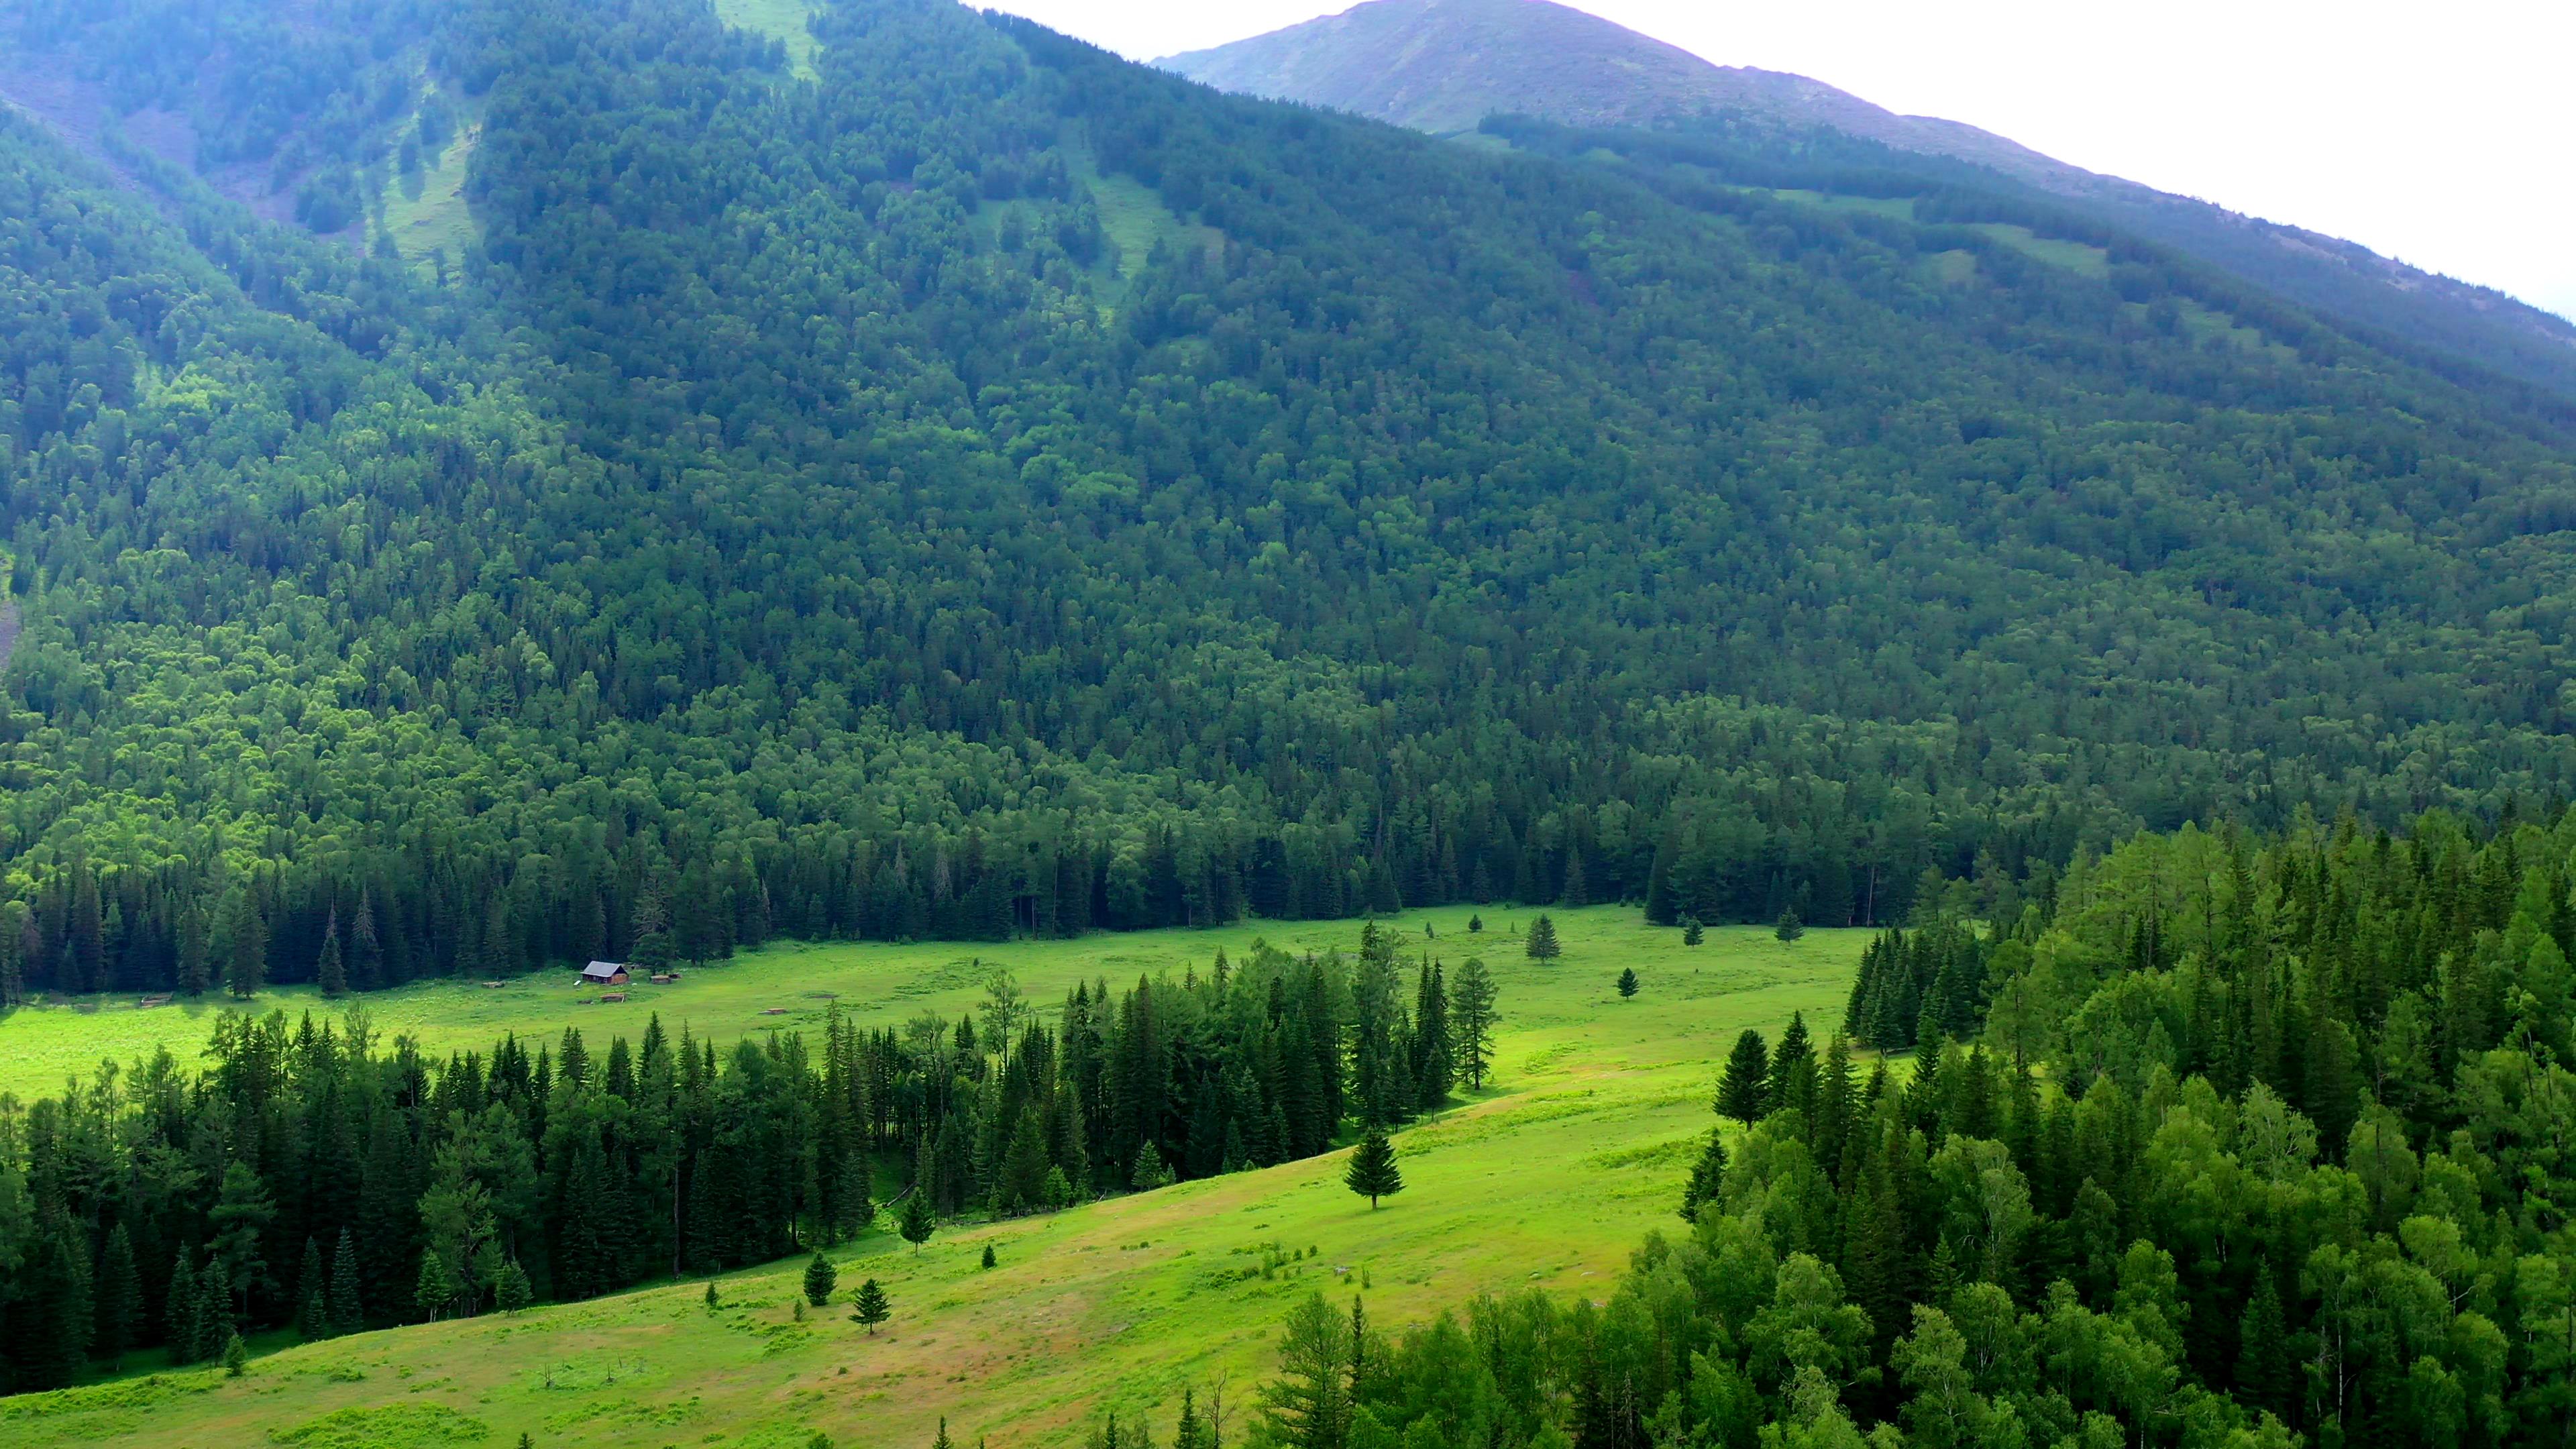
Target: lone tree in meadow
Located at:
point(1692, 933)
point(1628, 983)
point(820, 1277)
point(1372, 1172)
point(1743, 1089)
point(917, 1222)
point(1542, 940)
point(1790, 927)
point(1471, 1022)
point(868, 1306)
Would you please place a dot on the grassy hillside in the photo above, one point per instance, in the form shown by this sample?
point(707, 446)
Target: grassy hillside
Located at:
point(1546, 1181)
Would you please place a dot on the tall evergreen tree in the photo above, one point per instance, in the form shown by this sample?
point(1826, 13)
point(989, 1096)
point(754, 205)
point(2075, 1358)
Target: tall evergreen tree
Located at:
point(868, 1306)
point(118, 1290)
point(1372, 1172)
point(245, 938)
point(348, 1311)
point(1474, 1022)
point(1744, 1086)
point(329, 972)
point(1542, 944)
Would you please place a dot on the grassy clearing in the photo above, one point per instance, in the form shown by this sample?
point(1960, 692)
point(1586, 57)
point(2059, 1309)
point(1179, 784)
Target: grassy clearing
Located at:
point(1136, 219)
point(425, 210)
point(1546, 1181)
point(781, 20)
point(2075, 257)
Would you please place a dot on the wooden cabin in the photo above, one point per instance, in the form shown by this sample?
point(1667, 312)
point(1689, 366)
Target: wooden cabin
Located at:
point(604, 973)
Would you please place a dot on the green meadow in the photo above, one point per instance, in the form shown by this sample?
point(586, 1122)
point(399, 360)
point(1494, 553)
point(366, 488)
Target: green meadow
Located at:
point(1547, 1180)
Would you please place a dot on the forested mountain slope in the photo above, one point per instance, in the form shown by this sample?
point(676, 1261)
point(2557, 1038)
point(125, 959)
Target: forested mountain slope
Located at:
point(994, 487)
point(1444, 66)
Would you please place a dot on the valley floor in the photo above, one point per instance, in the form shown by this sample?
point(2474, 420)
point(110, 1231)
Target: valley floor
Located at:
point(1547, 1180)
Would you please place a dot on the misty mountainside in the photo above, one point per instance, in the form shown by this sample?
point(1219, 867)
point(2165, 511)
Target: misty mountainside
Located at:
point(988, 487)
point(1445, 66)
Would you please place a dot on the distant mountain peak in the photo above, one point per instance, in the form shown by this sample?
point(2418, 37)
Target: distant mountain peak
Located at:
point(1444, 66)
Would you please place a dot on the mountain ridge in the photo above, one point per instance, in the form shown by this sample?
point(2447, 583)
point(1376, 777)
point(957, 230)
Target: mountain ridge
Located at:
point(1444, 66)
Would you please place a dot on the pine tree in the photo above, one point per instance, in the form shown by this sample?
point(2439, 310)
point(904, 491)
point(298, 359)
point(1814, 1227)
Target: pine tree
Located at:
point(942, 1441)
point(1472, 1023)
point(436, 1287)
point(1475, 923)
point(2263, 1376)
point(236, 1356)
point(312, 1308)
point(713, 1300)
point(348, 1311)
point(918, 1221)
point(1789, 927)
point(119, 1295)
point(1743, 1088)
point(1372, 1173)
point(511, 1290)
point(869, 1307)
point(990, 1259)
point(1692, 932)
point(1149, 1172)
point(245, 944)
point(1435, 1051)
point(329, 973)
point(1708, 1174)
point(1627, 983)
point(181, 1328)
point(367, 953)
point(820, 1278)
point(1542, 940)
point(1792, 1067)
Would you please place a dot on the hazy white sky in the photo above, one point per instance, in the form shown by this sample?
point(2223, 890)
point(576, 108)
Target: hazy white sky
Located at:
point(2442, 134)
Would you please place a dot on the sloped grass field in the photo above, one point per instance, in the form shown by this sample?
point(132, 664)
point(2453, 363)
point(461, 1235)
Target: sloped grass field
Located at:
point(1547, 1180)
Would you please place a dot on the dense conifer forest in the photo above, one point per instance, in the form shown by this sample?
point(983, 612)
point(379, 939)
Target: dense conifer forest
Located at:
point(799, 514)
point(333, 1181)
point(2255, 1139)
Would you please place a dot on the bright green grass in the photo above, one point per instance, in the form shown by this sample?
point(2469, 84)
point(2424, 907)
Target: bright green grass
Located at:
point(426, 211)
point(1136, 218)
point(780, 20)
point(1547, 1181)
point(2075, 257)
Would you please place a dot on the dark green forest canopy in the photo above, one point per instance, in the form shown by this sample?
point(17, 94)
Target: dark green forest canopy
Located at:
point(2249, 1143)
point(993, 487)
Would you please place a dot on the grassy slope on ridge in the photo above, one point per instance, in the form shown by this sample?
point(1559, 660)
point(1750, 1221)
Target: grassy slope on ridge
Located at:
point(1545, 1182)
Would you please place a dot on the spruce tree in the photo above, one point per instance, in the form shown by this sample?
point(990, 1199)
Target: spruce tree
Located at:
point(180, 1328)
point(511, 1290)
point(329, 973)
point(868, 1306)
point(1743, 1088)
point(348, 1311)
point(990, 1259)
point(436, 1287)
point(245, 944)
point(1542, 944)
point(1372, 1172)
point(942, 1441)
point(918, 1221)
point(1627, 983)
point(2263, 1374)
point(1708, 1174)
point(236, 1356)
point(1789, 927)
point(1692, 932)
point(119, 1295)
point(820, 1278)
point(1472, 1023)
point(312, 1307)
point(1475, 923)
